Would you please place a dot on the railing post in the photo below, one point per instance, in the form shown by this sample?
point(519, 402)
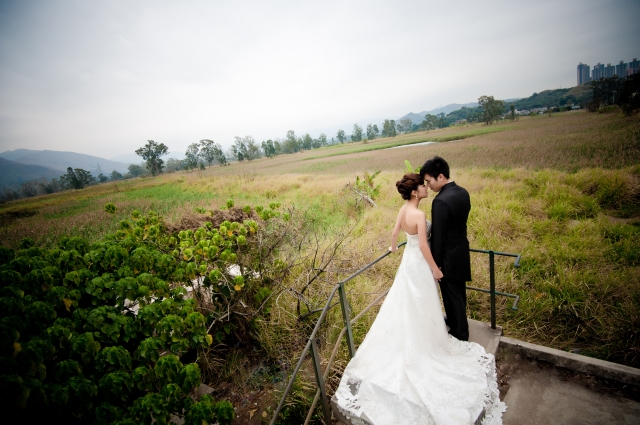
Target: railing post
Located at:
point(347, 321)
point(320, 382)
point(492, 288)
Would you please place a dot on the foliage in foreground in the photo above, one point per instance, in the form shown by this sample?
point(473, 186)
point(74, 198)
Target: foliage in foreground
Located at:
point(95, 334)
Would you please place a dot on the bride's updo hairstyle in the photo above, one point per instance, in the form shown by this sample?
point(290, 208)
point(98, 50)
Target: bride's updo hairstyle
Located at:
point(408, 183)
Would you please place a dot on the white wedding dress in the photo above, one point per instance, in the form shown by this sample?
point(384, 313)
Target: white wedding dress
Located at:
point(409, 370)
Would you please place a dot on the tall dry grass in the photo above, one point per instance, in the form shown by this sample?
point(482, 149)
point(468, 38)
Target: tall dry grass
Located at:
point(562, 191)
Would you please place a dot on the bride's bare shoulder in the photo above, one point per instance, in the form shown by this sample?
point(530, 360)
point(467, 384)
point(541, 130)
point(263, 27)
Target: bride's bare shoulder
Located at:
point(417, 213)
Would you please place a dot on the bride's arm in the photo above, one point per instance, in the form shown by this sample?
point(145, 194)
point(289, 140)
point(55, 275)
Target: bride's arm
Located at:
point(394, 235)
point(424, 248)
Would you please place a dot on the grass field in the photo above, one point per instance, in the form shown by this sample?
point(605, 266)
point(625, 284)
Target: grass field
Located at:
point(563, 191)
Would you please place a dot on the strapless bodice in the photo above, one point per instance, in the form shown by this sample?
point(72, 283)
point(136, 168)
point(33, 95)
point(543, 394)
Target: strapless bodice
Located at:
point(414, 240)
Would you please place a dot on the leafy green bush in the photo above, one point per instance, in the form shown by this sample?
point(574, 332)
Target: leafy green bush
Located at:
point(94, 334)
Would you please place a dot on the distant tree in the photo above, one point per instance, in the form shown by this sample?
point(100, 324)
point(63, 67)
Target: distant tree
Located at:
point(370, 133)
point(491, 108)
point(277, 145)
point(430, 122)
point(208, 151)
point(151, 153)
point(253, 150)
point(269, 148)
point(389, 128)
point(322, 139)
point(191, 156)
point(219, 154)
point(405, 124)
point(239, 149)
point(606, 91)
point(629, 98)
point(307, 142)
point(77, 178)
point(99, 171)
point(173, 164)
point(70, 180)
point(472, 114)
point(9, 193)
point(357, 133)
point(375, 131)
point(85, 177)
point(116, 175)
point(512, 112)
point(49, 186)
point(29, 188)
point(135, 170)
point(341, 136)
point(291, 143)
point(102, 178)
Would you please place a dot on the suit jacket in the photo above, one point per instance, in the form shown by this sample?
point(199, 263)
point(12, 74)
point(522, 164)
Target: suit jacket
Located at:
point(449, 243)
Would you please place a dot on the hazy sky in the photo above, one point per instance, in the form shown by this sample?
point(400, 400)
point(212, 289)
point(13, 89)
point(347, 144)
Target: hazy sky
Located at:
point(102, 77)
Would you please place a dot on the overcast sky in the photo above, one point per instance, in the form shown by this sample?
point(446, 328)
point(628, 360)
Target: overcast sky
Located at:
point(102, 77)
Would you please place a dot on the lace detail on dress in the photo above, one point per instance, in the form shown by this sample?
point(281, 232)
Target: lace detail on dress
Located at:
point(408, 370)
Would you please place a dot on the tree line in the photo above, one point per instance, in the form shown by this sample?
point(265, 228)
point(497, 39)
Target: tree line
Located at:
point(623, 92)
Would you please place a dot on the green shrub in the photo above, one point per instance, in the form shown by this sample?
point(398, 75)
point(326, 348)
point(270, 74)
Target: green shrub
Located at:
point(95, 333)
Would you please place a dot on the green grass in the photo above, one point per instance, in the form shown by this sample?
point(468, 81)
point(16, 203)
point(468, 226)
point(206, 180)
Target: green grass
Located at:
point(563, 191)
point(405, 140)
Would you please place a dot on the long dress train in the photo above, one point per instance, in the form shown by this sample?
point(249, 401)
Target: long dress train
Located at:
point(409, 370)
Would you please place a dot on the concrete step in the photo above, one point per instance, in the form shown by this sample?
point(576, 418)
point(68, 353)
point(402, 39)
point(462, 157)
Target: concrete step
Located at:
point(481, 333)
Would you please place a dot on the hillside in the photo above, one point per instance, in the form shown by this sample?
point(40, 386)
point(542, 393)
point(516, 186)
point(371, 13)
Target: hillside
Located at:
point(560, 97)
point(448, 109)
point(12, 172)
point(59, 161)
point(419, 117)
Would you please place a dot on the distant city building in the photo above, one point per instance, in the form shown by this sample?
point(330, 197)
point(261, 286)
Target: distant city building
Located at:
point(633, 66)
point(598, 72)
point(585, 74)
point(621, 69)
point(609, 71)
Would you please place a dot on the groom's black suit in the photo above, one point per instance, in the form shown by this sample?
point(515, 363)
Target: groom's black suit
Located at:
point(450, 249)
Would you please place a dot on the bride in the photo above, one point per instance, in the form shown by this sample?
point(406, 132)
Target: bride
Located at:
point(409, 370)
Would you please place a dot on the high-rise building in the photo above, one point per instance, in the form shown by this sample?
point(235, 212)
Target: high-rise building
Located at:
point(601, 71)
point(609, 71)
point(621, 69)
point(583, 73)
point(598, 72)
point(633, 66)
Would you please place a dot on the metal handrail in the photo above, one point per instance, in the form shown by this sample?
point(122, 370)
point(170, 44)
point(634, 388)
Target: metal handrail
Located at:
point(311, 343)
point(492, 281)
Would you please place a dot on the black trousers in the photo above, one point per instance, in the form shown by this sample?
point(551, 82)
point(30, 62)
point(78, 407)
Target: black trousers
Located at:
point(454, 297)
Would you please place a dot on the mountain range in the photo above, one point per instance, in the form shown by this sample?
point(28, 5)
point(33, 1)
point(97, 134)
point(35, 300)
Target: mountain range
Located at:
point(419, 117)
point(25, 164)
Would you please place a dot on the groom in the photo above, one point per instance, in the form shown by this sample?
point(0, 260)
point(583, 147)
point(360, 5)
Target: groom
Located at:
point(449, 244)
